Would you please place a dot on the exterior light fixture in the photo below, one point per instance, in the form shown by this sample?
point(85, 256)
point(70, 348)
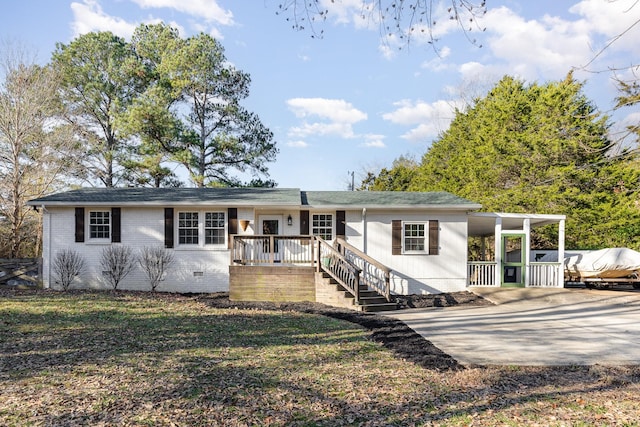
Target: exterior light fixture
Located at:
point(289, 220)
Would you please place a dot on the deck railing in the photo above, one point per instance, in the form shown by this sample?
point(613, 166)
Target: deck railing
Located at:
point(374, 274)
point(339, 267)
point(271, 249)
point(541, 274)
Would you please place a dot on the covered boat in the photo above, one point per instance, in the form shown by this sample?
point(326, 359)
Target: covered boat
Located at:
point(610, 263)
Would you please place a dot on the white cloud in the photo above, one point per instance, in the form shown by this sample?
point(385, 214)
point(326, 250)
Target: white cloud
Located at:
point(431, 118)
point(336, 110)
point(326, 117)
point(373, 141)
point(344, 130)
point(438, 63)
point(297, 144)
point(88, 16)
point(357, 12)
point(548, 47)
point(207, 9)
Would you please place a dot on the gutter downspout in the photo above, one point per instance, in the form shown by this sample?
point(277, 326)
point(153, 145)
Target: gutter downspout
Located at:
point(46, 216)
point(364, 230)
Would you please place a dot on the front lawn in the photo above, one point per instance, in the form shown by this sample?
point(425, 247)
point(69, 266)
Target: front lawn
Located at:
point(103, 358)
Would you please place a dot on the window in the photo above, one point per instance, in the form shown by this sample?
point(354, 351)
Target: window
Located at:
point(322, 226)
point(414, 238)
point(199, 228)
point(214, 228)
point(99, 225)
point(188, 228)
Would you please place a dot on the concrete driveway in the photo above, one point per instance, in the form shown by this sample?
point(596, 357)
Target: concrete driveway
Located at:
point(536, 327)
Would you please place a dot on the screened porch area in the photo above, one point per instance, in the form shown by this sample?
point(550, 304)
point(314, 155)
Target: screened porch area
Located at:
point(500, 251)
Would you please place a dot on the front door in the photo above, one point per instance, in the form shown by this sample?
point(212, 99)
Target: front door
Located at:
point(270, 225)
point(513, 260)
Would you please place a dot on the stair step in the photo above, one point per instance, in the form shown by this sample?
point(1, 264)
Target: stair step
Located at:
point(372, 299)
point(387, 306)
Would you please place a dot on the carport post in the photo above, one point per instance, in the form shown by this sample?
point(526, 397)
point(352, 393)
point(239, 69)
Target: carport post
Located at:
point(498, 242)
point(526, 227)
point(561, 253)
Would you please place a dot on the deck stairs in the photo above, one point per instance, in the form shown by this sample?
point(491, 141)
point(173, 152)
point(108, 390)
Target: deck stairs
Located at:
point(330, 292)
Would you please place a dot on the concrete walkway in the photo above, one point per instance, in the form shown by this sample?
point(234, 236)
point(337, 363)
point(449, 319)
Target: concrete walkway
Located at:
point(536, 327)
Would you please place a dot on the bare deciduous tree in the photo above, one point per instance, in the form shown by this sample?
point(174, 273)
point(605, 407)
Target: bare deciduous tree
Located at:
point(403, 20)
point(155, 261)
point(67, 265)
point(34, 148)
point(117, 262)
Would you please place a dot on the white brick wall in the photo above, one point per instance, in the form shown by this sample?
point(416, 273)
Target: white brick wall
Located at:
point(413, 274)
point(140, 227)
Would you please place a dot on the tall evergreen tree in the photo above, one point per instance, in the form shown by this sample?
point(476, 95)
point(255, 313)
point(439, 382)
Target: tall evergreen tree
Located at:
point(101, 76)
point(538, 148)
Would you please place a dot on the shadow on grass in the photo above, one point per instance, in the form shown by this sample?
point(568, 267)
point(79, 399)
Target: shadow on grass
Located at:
point(201, 383)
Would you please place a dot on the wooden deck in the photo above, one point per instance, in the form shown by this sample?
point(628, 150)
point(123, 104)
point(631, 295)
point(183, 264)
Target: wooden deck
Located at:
point(306, 268)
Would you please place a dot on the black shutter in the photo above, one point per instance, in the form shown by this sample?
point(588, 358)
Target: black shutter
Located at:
point(434, 236)
point(304, 223)
point(168, 227)
point(233, 224)
point(79, 225)
point(115, 225)
point(396, 237)
point(341, 226)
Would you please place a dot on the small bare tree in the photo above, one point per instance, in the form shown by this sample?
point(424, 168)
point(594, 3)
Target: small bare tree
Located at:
point(154, 261)
point(67, 265)
point(117, 262)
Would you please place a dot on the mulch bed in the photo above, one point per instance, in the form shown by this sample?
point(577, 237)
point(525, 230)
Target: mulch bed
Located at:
point(391, 333)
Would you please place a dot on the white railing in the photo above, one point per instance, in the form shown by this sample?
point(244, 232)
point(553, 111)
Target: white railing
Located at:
point(545, 274)
point(481, 273)
point(270, 249)
point(541, 274)
point(374, 274)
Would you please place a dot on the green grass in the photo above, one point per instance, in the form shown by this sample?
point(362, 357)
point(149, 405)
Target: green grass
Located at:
point(153, 360)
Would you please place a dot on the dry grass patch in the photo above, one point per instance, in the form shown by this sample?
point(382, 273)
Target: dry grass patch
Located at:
point(141, 359)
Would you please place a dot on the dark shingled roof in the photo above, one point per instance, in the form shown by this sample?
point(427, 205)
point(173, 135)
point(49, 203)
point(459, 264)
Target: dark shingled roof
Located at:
point(174, 196)
point(390, 199)
point(274, 197)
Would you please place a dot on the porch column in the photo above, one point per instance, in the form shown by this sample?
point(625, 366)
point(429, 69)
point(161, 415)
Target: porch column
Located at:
point(561, 253)
point(526, 227)
point(498, 252)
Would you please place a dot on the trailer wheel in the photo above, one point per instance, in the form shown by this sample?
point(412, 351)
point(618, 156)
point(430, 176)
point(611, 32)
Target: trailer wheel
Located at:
point(589, 285)
point(636, 286)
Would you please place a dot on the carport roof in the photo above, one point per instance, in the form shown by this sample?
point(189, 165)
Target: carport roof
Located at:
point(484, 223)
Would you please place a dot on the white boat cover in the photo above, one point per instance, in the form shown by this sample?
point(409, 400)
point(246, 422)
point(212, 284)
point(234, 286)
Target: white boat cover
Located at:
point(607, 263)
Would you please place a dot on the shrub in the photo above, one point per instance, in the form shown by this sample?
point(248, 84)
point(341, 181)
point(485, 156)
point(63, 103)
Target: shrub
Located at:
point(155, 261)
point(67, 265)
point(117, 262)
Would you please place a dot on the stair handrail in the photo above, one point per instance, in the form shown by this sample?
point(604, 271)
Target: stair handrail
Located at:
point(338, 267)
point(370, 278)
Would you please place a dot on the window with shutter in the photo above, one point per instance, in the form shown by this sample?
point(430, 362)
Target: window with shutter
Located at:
point(168, 227)
point(341, 224)
point(79, 225)
point(116, 235)
point(415, 237)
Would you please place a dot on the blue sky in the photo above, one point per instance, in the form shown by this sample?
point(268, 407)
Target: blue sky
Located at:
point(352, 101)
